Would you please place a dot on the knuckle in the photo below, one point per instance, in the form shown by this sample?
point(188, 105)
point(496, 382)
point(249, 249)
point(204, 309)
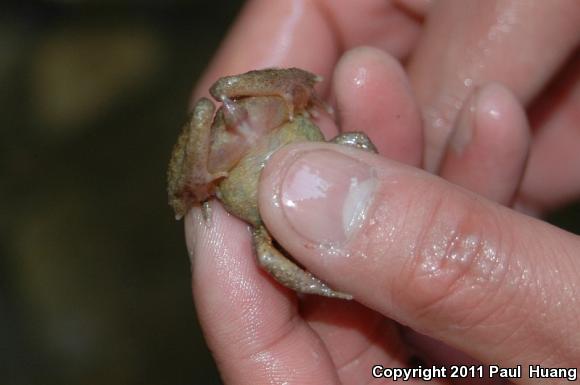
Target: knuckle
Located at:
point(457, 262)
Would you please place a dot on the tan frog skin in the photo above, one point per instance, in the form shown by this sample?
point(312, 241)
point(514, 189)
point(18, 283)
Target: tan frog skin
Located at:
point(222, 154)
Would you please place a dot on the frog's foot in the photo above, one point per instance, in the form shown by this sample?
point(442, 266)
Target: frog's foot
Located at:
point(317, 105)
point(188, 180)
point(355, 139)
point(287, 272)
point(289, 100)
point(306, 101)
point(238, 117)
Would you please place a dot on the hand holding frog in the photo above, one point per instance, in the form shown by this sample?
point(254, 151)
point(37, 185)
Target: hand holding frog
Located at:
point(421, 252)
point(224, 156)
point(452, 48)
point(257, 332)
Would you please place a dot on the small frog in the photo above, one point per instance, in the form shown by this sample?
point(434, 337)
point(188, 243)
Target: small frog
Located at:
point(222, 154)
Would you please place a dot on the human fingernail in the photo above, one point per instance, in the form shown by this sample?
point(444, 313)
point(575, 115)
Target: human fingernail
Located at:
point(326, 195)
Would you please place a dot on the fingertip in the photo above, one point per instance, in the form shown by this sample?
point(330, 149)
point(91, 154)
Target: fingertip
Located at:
point(488, 148)
point(373, 95)
point(504, 117)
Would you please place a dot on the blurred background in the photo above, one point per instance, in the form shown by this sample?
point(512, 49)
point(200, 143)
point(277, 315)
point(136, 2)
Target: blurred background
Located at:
point(94, 276)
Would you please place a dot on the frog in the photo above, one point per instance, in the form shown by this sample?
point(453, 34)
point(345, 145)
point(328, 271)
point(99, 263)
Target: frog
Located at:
point(221, 153)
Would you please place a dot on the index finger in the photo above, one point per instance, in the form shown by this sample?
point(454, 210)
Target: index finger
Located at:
point(310, 34)
point(249, 323)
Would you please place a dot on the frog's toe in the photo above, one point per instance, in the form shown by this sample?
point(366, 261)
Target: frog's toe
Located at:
point(356, 139)
point(206, 213)
point(289, 100)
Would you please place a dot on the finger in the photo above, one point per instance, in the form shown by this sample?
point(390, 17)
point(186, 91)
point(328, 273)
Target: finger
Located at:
point(552, 177)
point(486, 154)
point(251, 343)
point(357, 338)
point(416, 7)
point(467, 44)
point(493, 283)
point(308, 34)
point(275, 34)
point(488, 149)
point(381, 24)
point(373, 96)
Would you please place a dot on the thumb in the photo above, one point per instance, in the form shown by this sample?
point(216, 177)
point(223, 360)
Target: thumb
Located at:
point(498, 285)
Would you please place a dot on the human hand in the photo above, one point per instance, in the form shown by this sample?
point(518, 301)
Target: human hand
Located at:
point(226, 280)
point(224, 258)
point(240, 309)
point(495, 284)
point(242, 313)
point(423, 252)
point(462, 45)
point(525, 46)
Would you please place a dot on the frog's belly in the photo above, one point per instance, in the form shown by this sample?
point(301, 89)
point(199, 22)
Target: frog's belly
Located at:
point(239, 191)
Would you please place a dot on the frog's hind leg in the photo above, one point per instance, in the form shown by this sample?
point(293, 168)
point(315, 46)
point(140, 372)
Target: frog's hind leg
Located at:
point(287, 272)
point(356, 139)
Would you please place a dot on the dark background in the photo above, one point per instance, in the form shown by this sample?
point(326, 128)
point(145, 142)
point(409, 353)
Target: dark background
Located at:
point(94, 276)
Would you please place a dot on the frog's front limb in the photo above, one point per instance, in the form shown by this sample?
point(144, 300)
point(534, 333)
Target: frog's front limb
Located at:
point(287, 272)
point(189, 181)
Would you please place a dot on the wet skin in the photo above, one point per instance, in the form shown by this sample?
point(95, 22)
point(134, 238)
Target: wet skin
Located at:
point(222, 154)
